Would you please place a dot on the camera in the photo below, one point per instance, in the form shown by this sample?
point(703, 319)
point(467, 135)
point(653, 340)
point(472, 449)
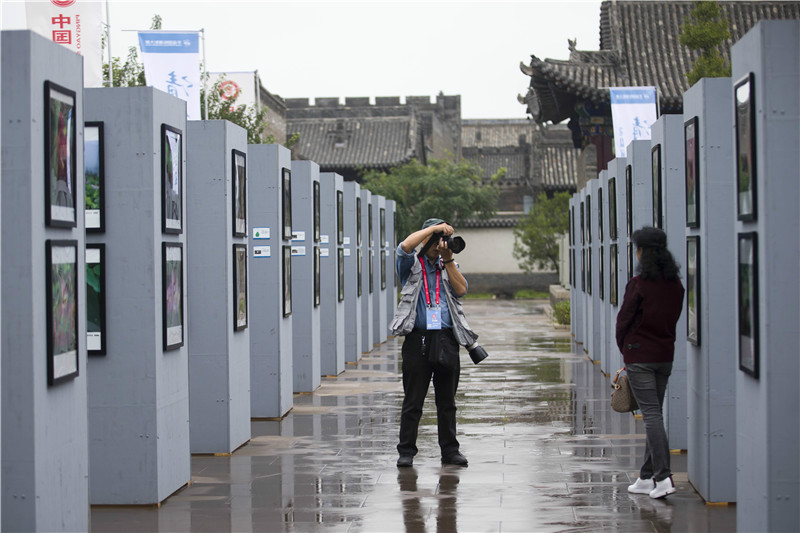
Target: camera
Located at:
point(477, 353)
point(455, 244)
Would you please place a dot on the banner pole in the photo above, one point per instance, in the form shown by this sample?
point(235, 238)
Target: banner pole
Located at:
point(108, 41)
point(205, 73)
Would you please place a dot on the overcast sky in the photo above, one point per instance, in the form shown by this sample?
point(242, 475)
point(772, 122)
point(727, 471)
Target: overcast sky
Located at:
point(375, 48)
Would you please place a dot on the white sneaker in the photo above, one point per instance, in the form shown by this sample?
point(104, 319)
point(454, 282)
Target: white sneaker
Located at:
point(663, 487)
point(642, 486)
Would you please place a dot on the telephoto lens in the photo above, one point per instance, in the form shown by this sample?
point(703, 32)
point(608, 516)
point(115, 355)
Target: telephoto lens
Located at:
point(477, 353)
point(455, 244)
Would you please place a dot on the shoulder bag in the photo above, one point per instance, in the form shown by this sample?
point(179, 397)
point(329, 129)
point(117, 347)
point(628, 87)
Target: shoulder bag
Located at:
point(622, 399)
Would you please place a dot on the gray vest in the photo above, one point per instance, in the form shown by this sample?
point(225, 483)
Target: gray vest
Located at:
point(403, 321)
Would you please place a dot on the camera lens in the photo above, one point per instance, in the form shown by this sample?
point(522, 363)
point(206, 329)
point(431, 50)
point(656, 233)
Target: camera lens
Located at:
point(455, 244)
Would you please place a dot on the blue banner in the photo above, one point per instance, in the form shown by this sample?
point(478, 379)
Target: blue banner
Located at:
point(160, 42)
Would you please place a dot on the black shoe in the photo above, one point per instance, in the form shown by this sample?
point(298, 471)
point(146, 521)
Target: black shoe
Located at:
point(405, 460)
point(455, 459)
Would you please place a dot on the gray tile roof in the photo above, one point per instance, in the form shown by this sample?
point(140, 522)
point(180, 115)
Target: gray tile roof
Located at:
point(557, 159)
point(639, 46)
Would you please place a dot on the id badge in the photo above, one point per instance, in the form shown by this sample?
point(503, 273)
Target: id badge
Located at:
point(434, 318)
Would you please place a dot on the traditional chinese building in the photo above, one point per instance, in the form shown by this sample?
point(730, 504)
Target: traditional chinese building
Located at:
point(639, 46)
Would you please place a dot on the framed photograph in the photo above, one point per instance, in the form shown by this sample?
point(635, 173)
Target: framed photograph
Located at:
point(383, 227)
point(239, 287)
point(287, 280)
point(316, 212)
point(583, 225)
point(744, 94)
point(748, 303)
point(94, 176)
point(588, 219)
point(630, 261)
point(340, 266)
point(693, 290)
point(239, 196)
point(655, 158)
point(692, 165)
point(339, 217)
point(61, 272)
point(583, 270)
point(572, 226)
point(370, 240)
point(59, 156)
point(629, 199)
point(612, 209)
point(172, 294)
point(613, 279)
point(589, 271)
point(317, 276)
point(383, 269)
point(171, 179)
point(371, 268)
point(600, 215)
point(359, 268)
point(572, 267)
point(95, 299)
point(358, 223)
point(602, 274)
point(286, 206)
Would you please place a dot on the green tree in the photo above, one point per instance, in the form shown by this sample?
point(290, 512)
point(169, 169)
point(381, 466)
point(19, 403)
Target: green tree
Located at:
point(443, 189)
point(131, 72)
point(705, 30)
point(537, 233)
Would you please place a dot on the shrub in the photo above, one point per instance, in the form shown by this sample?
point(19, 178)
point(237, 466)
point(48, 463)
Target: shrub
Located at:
point(561, 312)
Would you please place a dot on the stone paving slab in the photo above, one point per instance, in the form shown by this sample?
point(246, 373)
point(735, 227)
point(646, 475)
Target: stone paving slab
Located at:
point(546, 453)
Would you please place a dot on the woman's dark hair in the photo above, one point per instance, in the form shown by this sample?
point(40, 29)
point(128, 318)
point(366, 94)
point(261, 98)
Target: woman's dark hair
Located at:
point(657, 262)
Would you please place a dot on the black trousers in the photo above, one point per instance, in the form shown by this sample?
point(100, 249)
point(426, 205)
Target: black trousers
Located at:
point(417, 373)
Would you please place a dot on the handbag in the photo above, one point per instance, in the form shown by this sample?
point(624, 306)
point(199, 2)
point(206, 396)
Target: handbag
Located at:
point(622, 399)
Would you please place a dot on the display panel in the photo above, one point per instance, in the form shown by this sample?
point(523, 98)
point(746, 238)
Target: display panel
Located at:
point(317, 276)
point(602, 287)
point(748, 304)
point(239, 287)
point(612, 209)
point(588, 219)
point(371, 268)
point(383, 227)
point(59, 159)
point(287, 280)
point(286, 204)
point(358, 221)
point(693, 290)
point(655, 156)
point(340, 217)
point(61, 273)
point(94, 176)
point(629, 199)
point(746, 172)
point(359, 261)
point(239, 183)
point(340, 266)
point(172, 295)
point(316, 212)
point(630, 261)
point(613, 274)
point(692, 165)
point(589, 271)
point(95, 299)
point(171, 179)
point(600, 214)
point(383, 269)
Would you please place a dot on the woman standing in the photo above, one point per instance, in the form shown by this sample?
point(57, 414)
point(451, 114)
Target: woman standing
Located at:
point(646, 337)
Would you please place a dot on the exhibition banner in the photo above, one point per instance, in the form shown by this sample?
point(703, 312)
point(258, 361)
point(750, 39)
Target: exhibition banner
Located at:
point(172, 64)
point(76, 24)
point(241, 86)
point(633, 112)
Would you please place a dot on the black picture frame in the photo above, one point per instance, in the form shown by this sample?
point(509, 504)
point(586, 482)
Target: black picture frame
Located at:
point(317, 217)
point(583, 224)
point(588, 219)
point(693, 295)
point(340, 272)
point(359, 267)
point(630, 261)
point(572, 267)
point(287, 280)
point(94, 177)
point(317, 276)
point(613, 275)
point(612, 209)
point(371, 269)
point(629, 199)
point(358, 223)
point(747, 300)
point(370, 239)
point(340, 217)
point(602, 284)
point(240, 303)
point(286, 204)
point(583, 270)
point(61, 289)
point(691, 150)
point(60, 164)
point(95, 299)
point(383, 227)
point(744, 95)
point(239, 193)
point(171, 185)
point(589, 271)
point(383, 269)
point(655, 160)
point(600, 215)
point(572, 226)
point(172, 291)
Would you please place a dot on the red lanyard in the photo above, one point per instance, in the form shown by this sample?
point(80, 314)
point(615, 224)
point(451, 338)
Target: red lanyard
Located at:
point(425, 282)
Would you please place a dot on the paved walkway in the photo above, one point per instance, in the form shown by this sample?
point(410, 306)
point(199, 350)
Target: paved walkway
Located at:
point(546, 453)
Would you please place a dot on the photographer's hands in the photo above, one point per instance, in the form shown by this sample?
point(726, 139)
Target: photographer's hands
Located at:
point(418, 237)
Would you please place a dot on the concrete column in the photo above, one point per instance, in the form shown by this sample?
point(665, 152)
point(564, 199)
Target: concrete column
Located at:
point(331, 246)
point(367, 272)
point(352, 293)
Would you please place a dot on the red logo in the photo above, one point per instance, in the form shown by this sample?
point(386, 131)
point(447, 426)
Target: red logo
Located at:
point(229, 89)
point(62, 3)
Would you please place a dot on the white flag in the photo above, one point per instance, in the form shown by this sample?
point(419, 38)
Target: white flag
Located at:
point(239, 85)
point(172, 64)
point(633, 112)
point(76, 24)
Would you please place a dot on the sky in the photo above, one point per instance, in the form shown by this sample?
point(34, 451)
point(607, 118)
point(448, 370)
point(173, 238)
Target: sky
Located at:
point(308, 49)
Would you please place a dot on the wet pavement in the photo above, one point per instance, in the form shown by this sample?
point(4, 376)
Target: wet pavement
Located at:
point(546, 453)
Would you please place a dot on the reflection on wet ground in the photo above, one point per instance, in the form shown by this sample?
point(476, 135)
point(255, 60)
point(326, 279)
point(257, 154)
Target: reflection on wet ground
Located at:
point(546, 453)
